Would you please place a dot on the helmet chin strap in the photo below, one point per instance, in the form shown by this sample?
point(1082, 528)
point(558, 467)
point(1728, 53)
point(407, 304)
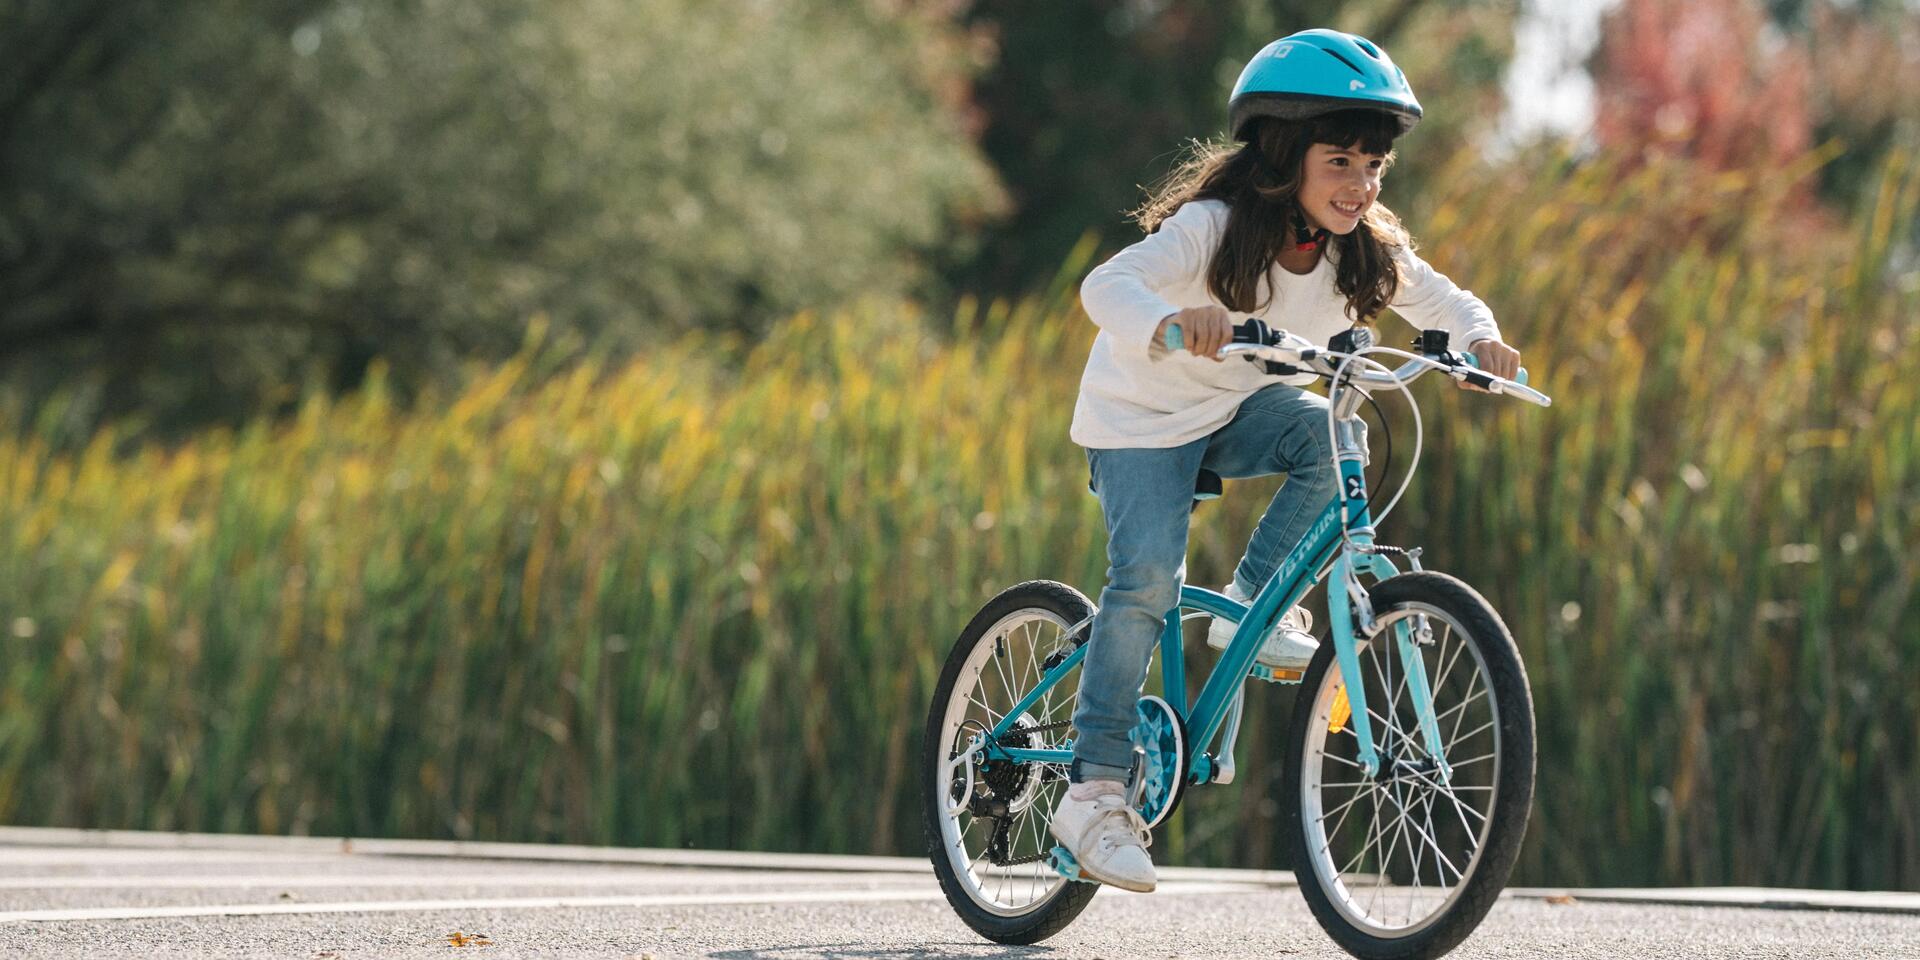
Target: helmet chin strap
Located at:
point(1303, 238)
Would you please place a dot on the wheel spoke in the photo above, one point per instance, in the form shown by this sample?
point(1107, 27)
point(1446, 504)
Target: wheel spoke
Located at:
point(1414, 890)
point(1034, 881)
point(1379, 836)
point(1032, 667)
point(1394, 729)
point(1485, 726)
point(1434, 786)
point(1372, 835)
point(1386, 859)
point(1440, 855)
point(1400, 687)
point(1462, 808)
point(1384, 672)
point(1000, 667)
point(1344, 810)
point(1446, 669)
point(1338, 759)
point(1462, 705)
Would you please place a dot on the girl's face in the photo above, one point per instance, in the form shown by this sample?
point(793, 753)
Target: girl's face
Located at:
point(1338, 184)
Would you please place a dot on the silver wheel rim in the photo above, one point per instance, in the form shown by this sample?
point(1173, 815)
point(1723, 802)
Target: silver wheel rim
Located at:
point(1395, 853)
point(987, 686)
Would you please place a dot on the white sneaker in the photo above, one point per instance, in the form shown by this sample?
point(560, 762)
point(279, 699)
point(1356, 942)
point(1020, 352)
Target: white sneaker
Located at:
point(1289, 647)
point(1106, 836)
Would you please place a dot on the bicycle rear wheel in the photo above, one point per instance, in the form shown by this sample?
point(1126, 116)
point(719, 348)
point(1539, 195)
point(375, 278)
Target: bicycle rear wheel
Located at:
point(990, 852)
point(1405, 863)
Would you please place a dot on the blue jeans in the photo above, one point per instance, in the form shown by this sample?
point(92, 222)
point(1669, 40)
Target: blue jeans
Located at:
point(1146, 497)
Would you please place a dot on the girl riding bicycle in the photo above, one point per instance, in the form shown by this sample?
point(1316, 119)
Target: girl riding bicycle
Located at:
point(1280, 226)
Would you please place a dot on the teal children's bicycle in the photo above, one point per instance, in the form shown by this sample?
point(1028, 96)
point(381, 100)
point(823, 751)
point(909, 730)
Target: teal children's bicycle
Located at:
point(1408, 766)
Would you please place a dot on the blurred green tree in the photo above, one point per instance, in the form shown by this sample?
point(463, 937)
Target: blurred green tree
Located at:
point(203, 205)
point(1089, 100)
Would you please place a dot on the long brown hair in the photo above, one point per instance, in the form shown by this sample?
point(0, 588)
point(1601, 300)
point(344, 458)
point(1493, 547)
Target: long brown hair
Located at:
point(1258, 180)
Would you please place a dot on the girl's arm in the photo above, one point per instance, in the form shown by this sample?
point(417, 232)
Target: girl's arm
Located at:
point(1123, 295)
point(1430, 301)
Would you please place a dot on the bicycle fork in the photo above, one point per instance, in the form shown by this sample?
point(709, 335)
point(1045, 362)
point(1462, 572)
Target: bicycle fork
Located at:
point(1351, 606)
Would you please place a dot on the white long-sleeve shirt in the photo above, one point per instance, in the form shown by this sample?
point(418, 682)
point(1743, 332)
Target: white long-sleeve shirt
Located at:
point(1128, 400)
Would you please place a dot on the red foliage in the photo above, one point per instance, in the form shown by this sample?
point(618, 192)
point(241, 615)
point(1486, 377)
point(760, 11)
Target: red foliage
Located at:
point(1706, 79)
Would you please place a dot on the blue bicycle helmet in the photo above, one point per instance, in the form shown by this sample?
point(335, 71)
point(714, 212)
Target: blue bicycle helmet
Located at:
point(1319, 71)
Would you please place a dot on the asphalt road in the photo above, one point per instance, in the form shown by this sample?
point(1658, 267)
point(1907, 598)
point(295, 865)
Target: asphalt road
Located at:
point(65, 894)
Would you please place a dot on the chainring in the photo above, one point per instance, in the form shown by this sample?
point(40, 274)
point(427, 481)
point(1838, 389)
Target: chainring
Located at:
point(1160, 736)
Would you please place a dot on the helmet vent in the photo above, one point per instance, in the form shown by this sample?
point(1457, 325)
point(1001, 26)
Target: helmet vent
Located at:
point(1344, 60)
point(1368, 47)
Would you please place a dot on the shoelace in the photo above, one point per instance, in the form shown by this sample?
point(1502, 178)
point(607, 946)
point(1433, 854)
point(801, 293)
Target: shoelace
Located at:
point(1299, 618)
point(1109, 805)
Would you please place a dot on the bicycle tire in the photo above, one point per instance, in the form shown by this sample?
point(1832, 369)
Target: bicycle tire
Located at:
point(1049, 913)
point(1508, 784)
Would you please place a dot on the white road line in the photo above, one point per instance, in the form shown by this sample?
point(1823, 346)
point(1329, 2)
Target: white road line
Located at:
point(83, 856)
point(1885, 901)
point(528, 903)
point(554, 879)
point(211, 845)
point(137, 846)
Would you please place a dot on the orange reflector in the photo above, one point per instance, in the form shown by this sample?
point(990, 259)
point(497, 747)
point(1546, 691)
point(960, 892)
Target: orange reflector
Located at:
point(1342, 711)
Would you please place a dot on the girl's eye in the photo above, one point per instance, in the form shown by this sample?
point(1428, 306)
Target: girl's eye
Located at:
point(1340, 161)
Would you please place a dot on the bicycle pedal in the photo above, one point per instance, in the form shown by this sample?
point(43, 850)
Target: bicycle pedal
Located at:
point(1064, 864)
point(1276, 675)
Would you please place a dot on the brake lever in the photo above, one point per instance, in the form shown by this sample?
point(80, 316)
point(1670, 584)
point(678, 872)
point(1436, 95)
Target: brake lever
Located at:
point(1493, 384)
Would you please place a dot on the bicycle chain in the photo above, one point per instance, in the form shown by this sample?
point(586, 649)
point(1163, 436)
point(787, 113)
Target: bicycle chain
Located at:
point(1022, 861)
point(1043, 728)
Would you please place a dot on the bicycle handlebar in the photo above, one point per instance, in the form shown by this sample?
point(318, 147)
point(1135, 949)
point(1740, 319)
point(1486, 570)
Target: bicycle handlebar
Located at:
point(1291, 350)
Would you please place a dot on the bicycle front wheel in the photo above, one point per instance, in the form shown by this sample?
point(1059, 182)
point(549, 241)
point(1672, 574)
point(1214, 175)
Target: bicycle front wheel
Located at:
point(1406, 862)
point(986, 820)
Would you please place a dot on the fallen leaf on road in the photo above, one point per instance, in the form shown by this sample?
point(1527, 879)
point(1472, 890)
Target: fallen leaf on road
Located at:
point(1561, 899)
point(459, 939)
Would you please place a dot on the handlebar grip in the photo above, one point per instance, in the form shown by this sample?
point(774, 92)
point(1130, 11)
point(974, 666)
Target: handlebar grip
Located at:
point(1252, 331)
point(1519, 378)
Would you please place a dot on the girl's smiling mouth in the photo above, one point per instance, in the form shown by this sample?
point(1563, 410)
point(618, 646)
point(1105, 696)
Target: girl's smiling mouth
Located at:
point(1351, 209)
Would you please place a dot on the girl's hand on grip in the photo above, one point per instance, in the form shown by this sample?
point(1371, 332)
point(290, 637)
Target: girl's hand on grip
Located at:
point(1496, 358)
point(1205, 329)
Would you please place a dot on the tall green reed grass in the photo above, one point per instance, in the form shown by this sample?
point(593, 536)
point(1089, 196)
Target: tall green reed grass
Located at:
point(700, 598)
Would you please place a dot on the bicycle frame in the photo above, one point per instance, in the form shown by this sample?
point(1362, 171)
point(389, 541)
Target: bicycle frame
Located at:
point(1341, 542)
